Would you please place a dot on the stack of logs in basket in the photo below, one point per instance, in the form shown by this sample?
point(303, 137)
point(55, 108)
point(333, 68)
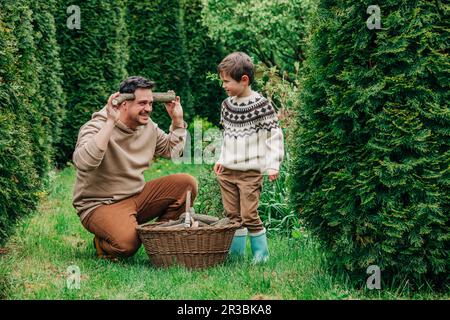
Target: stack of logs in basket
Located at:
point(189, 219)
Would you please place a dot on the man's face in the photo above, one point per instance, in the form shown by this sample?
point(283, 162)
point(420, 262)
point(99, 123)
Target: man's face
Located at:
point(231, 86)
point(137, 112)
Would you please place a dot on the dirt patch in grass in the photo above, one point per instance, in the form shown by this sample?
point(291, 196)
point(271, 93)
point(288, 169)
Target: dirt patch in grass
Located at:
point(265, 297)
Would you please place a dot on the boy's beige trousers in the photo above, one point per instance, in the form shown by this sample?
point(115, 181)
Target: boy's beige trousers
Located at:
point(240, 197)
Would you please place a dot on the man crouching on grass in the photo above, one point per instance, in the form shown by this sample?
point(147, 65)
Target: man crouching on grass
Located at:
point(113, 150)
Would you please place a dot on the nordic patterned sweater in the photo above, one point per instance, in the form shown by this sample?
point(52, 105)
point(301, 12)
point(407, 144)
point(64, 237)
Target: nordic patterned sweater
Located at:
point(252, 137)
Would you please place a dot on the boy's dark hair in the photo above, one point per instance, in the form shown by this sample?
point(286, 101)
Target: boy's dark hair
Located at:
point(236, 65)
point(130, 84)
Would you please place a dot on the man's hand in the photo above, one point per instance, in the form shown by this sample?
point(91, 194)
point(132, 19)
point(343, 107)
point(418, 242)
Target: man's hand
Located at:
point(273, 174)
point(218, 168)
point(175, 111)
point(113, 113)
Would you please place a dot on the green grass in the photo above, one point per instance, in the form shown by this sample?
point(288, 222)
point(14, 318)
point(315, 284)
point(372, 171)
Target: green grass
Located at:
point(52, 239)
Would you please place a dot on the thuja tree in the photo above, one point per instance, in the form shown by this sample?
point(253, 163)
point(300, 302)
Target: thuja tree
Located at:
point(50, 73)
point(203, 56)
point(19, 179)
point(371, 160)
point(93, 40)
point(157, 50)
point(19, 22)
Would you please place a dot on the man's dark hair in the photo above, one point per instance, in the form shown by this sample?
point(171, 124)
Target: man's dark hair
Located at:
point(130, 84)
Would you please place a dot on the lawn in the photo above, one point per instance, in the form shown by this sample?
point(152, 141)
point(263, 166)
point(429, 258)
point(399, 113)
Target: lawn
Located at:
point(47, 243)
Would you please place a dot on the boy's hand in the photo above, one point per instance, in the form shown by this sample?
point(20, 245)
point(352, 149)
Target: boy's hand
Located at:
point(218, 168)
point(273, 174)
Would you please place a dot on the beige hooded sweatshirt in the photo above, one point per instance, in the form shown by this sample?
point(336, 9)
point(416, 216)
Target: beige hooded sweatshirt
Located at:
point(105, 177)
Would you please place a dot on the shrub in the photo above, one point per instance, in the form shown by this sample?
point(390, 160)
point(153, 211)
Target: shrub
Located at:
point(93, 60)
point(203, 56)
point(209, 199)
point(157, 51)
point(275, 209)
point(19, 22)
point(271, 31)
point(50, 74)
point(20, 159)
point(370, 173)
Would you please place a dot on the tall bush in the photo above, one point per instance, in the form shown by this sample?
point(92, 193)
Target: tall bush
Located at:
point(370, 175)
point(203, 56)
point(271, 31)
point(20, 159)
point(93, 59)
point(20, 19)
point(157, 51)
point(49, 74)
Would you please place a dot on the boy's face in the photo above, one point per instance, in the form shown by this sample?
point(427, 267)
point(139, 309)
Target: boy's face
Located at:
point(233, 87)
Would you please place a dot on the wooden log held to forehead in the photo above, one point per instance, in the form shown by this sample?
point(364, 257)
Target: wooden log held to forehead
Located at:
point(157, 97)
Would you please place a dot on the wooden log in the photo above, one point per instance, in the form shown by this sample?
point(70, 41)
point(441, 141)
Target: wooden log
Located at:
point(205, 218)
point(201, 217)
point(221, 222)
point(164, 96)
point(157, 97)
point(187, 218)
point(124, 96)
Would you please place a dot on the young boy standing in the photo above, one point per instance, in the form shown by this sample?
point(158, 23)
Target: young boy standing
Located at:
point(252, 145)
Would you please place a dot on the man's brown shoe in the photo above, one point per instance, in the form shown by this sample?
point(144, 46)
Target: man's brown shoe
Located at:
point(102, 254)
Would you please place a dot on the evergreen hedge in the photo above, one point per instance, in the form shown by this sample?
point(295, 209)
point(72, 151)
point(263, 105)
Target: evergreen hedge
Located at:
point(20, 18)
point(51, 93)
point(93, 60)
point(157, 51)
point(371, 163)
point(22, 143)
point(203, 56)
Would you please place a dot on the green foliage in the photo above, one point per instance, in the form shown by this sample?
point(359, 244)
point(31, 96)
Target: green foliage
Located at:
point(28, 68)
point(203, 142)
point(93, 59)
point(209, 199)
point(271, 31)
point(178, 55)
point(283, 94)
point(275, 208)
point(19, 181)
point(157, 51)
point(203, 56)
point(23, 142)
point(370, 172)
point(52, 97)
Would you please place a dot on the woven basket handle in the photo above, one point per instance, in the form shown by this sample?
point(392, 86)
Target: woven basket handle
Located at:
point(188, 219)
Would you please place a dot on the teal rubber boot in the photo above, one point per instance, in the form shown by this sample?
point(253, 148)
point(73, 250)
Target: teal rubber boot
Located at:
point(260, 250)
point(239, 243)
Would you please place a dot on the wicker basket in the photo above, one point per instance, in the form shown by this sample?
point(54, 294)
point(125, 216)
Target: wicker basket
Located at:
point(194, 248)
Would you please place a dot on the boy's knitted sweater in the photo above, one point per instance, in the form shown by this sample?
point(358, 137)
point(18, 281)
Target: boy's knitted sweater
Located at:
point(252, 137)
